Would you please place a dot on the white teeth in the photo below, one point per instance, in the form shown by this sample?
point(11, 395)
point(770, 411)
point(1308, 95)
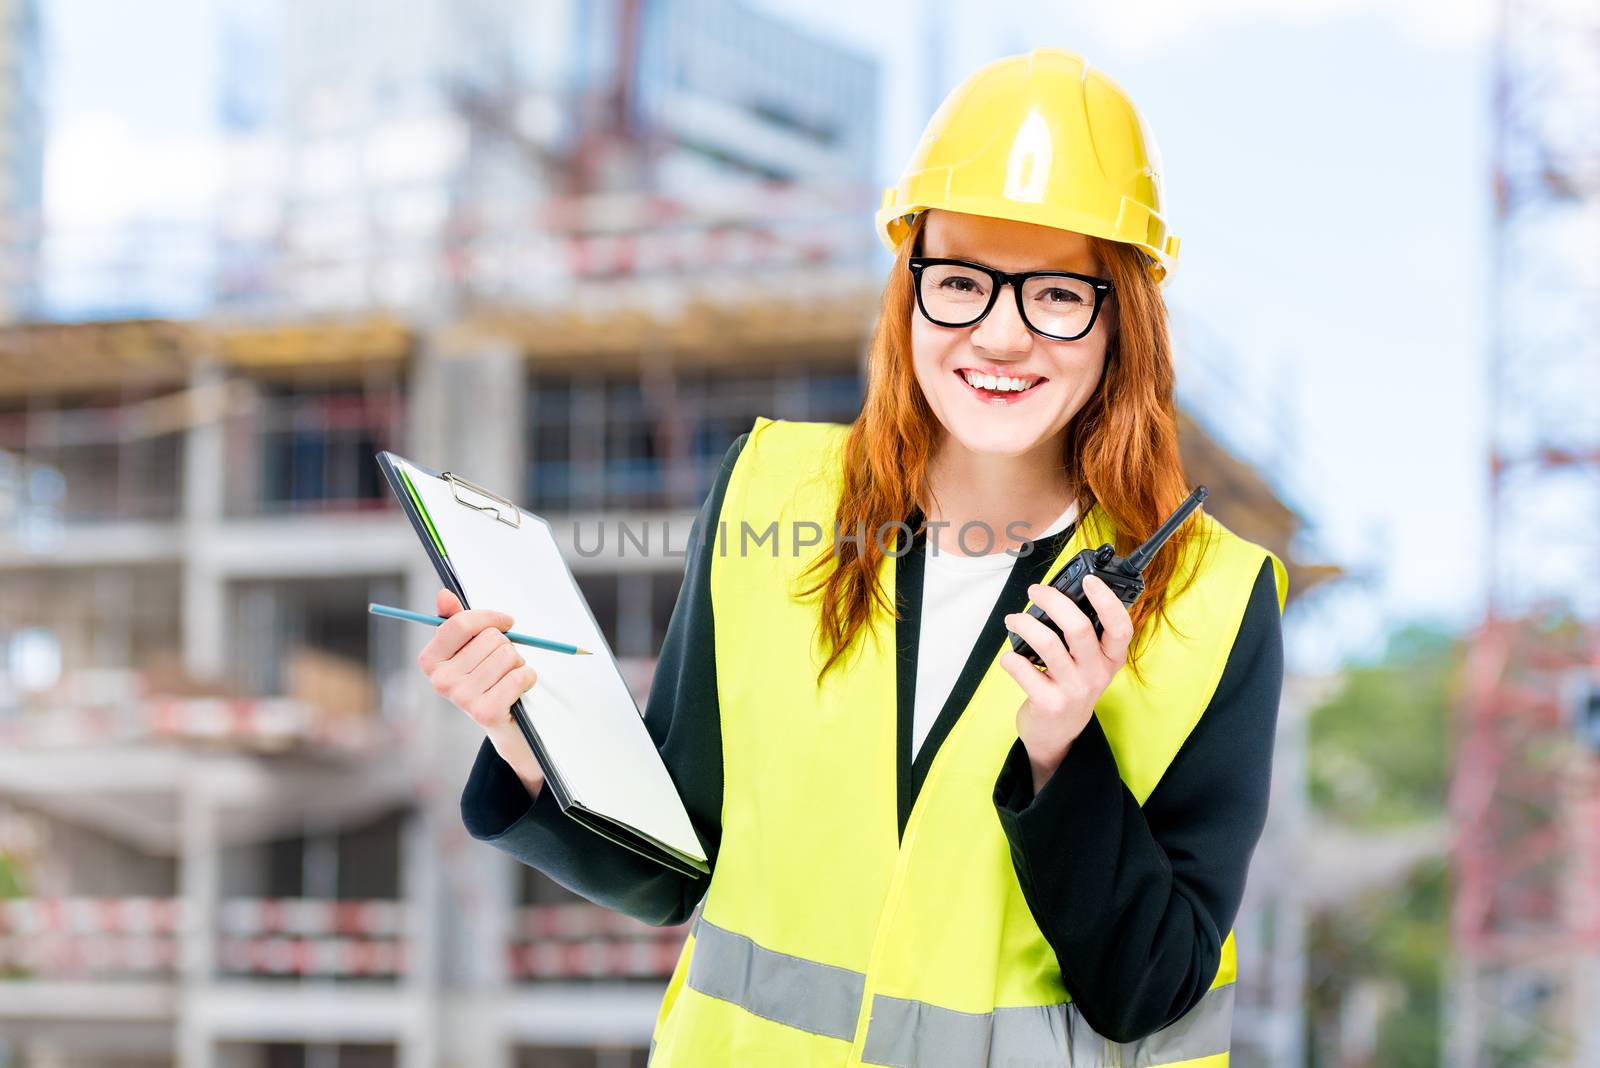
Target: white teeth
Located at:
point(999, 383)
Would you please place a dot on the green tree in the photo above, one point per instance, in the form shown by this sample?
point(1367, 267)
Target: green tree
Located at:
point(1380, 746)
point(11, 885)
point(1379, 760)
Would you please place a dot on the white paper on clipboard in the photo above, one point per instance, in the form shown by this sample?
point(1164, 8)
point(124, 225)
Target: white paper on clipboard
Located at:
point(580, 706)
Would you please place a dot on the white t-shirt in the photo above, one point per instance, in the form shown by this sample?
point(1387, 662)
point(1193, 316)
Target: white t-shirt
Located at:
point(958, 592)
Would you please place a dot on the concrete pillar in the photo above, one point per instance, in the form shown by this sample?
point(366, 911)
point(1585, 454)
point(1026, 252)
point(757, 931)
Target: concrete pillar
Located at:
point(1291, 917)
point(198, 882)
point(483, 417)
point(467, 416)
point(419, 1045)
point(424, 418)
point(204, 458)
point(203, 623)
point(205, 619)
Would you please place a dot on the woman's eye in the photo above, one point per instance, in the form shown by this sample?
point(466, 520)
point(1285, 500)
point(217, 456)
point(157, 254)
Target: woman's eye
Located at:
point(960, 285)
point(1055, 296)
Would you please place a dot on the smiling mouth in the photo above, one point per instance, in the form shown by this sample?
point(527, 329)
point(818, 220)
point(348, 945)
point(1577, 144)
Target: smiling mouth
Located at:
point(997, 394)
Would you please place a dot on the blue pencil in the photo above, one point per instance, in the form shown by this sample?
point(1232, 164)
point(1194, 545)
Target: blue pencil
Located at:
point(520, 639)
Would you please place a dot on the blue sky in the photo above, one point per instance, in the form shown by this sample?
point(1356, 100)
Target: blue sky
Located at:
point(1326, 170)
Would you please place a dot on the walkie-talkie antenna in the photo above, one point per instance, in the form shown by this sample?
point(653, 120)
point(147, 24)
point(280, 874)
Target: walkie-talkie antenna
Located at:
point(1135, 561)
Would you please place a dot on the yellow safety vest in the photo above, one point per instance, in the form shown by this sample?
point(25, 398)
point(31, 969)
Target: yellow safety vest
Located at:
point(827, 939)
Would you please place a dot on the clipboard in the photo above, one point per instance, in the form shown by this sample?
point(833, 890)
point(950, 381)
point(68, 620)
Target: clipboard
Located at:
point(579, 718)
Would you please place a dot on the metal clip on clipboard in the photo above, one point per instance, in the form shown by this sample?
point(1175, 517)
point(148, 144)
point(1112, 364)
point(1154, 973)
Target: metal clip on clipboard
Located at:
point(457, 483)
point(641, 810)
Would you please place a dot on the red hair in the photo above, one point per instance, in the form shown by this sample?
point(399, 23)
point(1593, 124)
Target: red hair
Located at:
point(1121, 449)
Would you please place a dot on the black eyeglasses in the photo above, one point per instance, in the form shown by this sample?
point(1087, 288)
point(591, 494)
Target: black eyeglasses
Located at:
point(1059, 305)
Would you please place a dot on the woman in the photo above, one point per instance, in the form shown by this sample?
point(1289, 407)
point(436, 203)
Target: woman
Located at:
point(925, 850)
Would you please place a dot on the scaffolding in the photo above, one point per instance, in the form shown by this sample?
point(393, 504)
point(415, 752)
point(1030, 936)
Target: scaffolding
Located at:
point(1525, 795)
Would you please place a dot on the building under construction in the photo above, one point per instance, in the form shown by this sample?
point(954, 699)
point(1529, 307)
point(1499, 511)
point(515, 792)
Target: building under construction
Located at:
point(229, 831)
point(231, 817)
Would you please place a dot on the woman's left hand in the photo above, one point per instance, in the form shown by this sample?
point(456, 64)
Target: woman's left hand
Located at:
point(1061, 698)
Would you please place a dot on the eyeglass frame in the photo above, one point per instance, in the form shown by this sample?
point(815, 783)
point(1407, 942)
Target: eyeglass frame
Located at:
point(917, 264)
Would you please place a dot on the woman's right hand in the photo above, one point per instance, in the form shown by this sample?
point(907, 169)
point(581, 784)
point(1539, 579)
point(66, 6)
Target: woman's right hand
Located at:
point(473, 665)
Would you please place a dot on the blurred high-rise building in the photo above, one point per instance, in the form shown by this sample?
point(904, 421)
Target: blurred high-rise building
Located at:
point(21, 156)
point(465, 150)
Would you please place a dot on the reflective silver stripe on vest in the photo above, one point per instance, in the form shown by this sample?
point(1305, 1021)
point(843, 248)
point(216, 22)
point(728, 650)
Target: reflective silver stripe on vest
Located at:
point(804, 994)
point(824, 999)
point(914, 1034)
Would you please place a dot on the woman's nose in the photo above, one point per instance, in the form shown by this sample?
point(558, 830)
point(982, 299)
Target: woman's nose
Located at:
point(1002, 330)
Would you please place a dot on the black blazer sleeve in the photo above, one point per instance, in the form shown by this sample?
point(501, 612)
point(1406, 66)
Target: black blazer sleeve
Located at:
point(1136, 902)
point(683, 719)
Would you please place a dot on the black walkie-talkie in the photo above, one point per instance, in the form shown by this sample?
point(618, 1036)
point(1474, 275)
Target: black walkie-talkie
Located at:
point(1124, 574)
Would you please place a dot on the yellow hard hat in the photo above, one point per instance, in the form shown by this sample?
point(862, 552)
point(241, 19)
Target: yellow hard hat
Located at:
point(1039, 138)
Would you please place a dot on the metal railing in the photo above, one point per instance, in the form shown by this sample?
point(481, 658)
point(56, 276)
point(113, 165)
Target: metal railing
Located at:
point(105, 937)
